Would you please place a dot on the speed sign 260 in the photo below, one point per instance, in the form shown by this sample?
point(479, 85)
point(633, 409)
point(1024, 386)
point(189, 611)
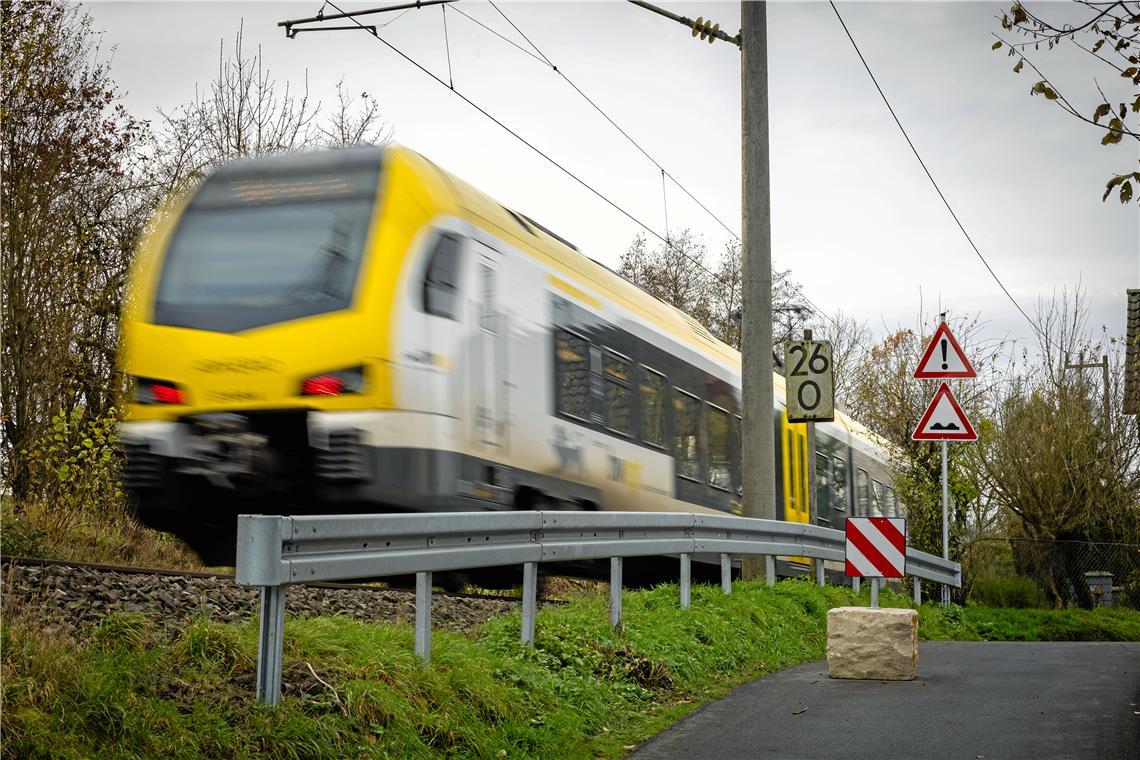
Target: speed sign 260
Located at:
point(810, 386)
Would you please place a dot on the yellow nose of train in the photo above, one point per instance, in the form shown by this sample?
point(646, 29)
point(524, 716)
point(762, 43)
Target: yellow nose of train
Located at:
point(257, 294)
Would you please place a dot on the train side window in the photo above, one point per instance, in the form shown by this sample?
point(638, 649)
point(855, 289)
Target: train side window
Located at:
point(441, 282)
point(839, 484)
point(651, 394)
point(876, 498)
point(572, 373)
point(619, 401)
point(890, 508)
point(822, 481)
point(720, 464)
point(862, 493)
point(686, 439)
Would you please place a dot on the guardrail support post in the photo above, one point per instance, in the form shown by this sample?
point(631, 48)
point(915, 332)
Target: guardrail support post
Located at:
point(271, 635)
point(686, 581)
point(529, 601)
point(726, 573)
point(855, 582)
point(917, 591)
point(423, 617)
point(945, 595)
point(874, 592)
point(615, 591)
point(770, 569)
point(820, 574)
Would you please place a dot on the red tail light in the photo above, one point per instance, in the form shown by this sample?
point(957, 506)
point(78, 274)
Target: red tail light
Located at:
point(322, 385)
point(349, 380)
point(167, 394)
point(149, 391)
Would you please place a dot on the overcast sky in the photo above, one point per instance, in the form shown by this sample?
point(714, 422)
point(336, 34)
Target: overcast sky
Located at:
point(853, 215)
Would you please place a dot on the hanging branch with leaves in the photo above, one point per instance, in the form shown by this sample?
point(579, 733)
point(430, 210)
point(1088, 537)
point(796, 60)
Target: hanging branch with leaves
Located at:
point(1111, 34)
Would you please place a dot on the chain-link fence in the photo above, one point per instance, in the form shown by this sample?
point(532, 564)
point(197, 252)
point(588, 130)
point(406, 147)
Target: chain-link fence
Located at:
point(1025, 572)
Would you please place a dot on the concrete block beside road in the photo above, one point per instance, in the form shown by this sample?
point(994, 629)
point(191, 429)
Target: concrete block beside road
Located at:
point(877, 644)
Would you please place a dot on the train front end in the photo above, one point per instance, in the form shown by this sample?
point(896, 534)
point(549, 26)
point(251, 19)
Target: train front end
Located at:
point(262, 303)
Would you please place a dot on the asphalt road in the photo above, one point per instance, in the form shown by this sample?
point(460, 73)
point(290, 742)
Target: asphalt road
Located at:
point(970, 700)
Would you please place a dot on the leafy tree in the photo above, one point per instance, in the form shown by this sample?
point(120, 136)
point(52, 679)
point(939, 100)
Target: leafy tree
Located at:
point(1062, 464)
point(850, 339)
point(682, 273)
point(1108, 32)
point(676, 272)
point(69, 223)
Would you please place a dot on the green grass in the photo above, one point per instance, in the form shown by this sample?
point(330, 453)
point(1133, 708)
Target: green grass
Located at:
point(1002, 624)
point(356, 690)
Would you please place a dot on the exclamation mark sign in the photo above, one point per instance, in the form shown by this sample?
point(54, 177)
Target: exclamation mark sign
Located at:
point(944, 364)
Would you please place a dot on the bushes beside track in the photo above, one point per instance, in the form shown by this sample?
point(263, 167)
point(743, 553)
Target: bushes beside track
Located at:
point(133, 689)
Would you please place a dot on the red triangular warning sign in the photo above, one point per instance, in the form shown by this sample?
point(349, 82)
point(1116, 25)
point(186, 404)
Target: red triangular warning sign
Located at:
point(944, 357)
point(944, 420)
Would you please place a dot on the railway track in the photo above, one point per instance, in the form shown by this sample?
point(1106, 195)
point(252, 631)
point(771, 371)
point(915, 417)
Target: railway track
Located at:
point(132, 570)
point(72, 595)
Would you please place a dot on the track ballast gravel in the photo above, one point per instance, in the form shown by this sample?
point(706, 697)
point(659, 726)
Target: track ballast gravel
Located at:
point(69, 597)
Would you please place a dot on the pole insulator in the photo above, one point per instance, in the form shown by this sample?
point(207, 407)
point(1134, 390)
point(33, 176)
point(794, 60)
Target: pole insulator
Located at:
point(706, 29)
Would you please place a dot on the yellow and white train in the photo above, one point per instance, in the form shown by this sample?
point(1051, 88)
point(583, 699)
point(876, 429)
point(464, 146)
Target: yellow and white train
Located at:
point(359, 330)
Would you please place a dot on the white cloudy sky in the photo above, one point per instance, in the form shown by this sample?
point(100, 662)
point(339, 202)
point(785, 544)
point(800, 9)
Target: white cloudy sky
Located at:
point(853, 215)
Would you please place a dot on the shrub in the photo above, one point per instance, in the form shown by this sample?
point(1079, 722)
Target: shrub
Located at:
point(1006, 591)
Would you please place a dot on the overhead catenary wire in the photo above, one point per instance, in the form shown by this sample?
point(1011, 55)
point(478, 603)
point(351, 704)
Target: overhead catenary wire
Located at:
point(930, 176)
point(527, 143)
point(664, 172)
point(613, 204)
point(617, 126)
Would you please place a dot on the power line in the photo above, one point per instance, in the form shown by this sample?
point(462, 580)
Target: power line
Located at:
point(615, 125)
point(930, 176)
point(568, 172)
point(526, 142)
point(664, 172)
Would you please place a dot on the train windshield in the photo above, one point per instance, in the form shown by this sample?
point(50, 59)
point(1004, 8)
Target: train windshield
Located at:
point(270, 240)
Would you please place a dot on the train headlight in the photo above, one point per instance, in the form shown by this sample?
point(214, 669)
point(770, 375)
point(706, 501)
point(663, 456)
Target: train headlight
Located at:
point(334, 383)
point(148, 391)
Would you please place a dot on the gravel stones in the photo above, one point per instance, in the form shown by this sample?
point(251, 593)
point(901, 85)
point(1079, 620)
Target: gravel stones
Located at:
point(70, 597)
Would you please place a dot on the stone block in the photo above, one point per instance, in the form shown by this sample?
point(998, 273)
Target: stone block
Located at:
point(878, 644)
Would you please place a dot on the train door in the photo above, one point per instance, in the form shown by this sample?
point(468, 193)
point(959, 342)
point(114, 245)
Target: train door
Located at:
point(488, 352)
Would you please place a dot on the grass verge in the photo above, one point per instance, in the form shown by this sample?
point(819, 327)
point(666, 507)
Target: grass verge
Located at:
point(53, 531)
point(352, 689)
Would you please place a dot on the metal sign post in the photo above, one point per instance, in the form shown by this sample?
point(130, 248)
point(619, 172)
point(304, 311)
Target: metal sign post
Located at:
point(945, 516)
point(944, 419)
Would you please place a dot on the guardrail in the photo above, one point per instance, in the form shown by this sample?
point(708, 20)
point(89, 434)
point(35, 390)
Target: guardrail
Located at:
point(274, 551)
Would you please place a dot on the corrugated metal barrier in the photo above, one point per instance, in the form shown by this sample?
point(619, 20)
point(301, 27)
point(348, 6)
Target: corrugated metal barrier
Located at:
point(274, 551)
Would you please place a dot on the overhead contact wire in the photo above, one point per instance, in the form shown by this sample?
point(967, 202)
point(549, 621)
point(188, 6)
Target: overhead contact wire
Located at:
point(632, 141)
point(526, 142)
point(616, 126)
point(567, 171)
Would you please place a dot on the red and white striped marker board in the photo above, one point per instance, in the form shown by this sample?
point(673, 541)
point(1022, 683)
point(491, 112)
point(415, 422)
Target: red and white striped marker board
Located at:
point(876, 547)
